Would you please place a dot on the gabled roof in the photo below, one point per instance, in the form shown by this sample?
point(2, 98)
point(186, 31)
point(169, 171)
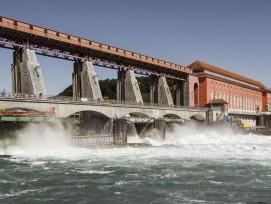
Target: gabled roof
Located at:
point(198, 66)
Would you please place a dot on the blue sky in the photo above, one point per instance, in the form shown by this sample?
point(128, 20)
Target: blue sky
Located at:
point(232, 34)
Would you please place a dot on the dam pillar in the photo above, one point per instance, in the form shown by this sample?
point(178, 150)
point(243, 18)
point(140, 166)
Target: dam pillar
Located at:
point(132, 90)
point(265, 120)
point(154, 89)
point(26, 74)
point(90, 87)
point(179, 93)
point(16, 71)
point(76, 79)
point(164, 95)
point(121, 85)
point(186, 91)
point(120, 131)
point(160, 128)
point(128, 88)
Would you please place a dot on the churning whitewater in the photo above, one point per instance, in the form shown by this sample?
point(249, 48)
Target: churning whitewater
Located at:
point(192, 165)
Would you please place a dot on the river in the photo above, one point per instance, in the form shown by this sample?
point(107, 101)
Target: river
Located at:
point(190, 166)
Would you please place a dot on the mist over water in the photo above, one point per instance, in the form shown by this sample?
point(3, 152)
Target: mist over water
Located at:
point(192, 165)
point(39, 139)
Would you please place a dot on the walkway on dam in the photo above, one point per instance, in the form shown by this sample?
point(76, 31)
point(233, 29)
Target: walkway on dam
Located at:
point(66, 106)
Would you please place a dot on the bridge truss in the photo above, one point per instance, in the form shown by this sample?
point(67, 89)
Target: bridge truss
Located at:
point(18, 35)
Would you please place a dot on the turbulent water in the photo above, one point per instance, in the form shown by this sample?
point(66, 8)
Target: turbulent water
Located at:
point(191, 166)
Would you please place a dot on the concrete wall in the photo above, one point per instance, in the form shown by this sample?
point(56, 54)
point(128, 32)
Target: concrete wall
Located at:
point(192, 80)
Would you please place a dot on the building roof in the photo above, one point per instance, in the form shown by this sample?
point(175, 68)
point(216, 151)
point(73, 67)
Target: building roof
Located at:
point(217, 101)
point(198, 66)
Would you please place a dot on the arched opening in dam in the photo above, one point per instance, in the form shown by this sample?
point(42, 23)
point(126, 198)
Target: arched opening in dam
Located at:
point(139, 125)
point(91, 128)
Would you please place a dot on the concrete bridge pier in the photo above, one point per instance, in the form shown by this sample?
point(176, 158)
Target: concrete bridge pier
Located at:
point(76, 79)
point(164, 95)
point(26, 74)
point(90, 87)
point(120, 131)
point(265, 120)
point(179, 93)
point(121, 85)
point(128, 87)
point(159, 126)
point(85, 81)
point(186, 91)
point(160, 92)
point(16, 71)
point(132, 90)
point(154, 89)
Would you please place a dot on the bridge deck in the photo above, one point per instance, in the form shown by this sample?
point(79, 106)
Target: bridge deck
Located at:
point(58, 44)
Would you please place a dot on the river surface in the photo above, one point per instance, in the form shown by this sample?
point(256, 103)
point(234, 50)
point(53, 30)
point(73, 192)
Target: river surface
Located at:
point(190, 166)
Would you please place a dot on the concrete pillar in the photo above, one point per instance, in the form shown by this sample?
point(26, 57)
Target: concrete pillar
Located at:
point(16, 72)
point(76, 79)
point(120, 131)
point(30, 75)
point(179, 93)
point(132, 90)
point(121, 85)
point(164, 95)
point(154, 89)
point(159, 128)
point(265, 120)
point(90, 87)
point(186, 91)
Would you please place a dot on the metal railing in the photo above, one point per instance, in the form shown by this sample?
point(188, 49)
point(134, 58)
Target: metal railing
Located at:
point(90, 101)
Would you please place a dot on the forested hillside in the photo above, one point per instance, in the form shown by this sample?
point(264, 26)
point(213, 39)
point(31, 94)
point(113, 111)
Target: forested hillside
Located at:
point(108, 88)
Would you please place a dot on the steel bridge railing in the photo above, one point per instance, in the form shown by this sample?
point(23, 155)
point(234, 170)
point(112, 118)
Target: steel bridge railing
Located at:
point(85, 101)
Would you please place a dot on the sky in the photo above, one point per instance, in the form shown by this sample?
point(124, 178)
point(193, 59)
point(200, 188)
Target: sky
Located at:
point(232, 34)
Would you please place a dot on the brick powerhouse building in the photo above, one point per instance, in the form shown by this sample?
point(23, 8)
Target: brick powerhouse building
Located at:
point(240, 95)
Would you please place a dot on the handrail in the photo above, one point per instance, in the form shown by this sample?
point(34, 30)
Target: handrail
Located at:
point(76, 100)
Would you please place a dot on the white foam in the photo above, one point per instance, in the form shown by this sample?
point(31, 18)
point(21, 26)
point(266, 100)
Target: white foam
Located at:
point(188, 141)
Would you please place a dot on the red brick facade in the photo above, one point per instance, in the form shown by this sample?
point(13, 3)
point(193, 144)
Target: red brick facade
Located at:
point(241, 93)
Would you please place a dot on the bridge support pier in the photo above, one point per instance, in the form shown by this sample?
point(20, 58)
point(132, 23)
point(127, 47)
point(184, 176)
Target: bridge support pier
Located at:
point(128, 87)
point(76, 79)
point(160, 128)
point(186, 91)
point(120, 131)
point(16, 72)
point(26, 74)
point(90, 83)
point(160, 92)
point(154, 89)
point(179, 93)
point(85, 81)
point(164, 95)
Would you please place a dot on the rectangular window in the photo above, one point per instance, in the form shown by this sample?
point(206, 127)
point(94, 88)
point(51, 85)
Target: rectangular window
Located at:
point(31, 27)
point(57, 34)
point(15, 23)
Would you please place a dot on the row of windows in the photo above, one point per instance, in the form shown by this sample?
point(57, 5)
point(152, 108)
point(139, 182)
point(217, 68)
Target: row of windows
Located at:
point(233, 88)
point(237, 102)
